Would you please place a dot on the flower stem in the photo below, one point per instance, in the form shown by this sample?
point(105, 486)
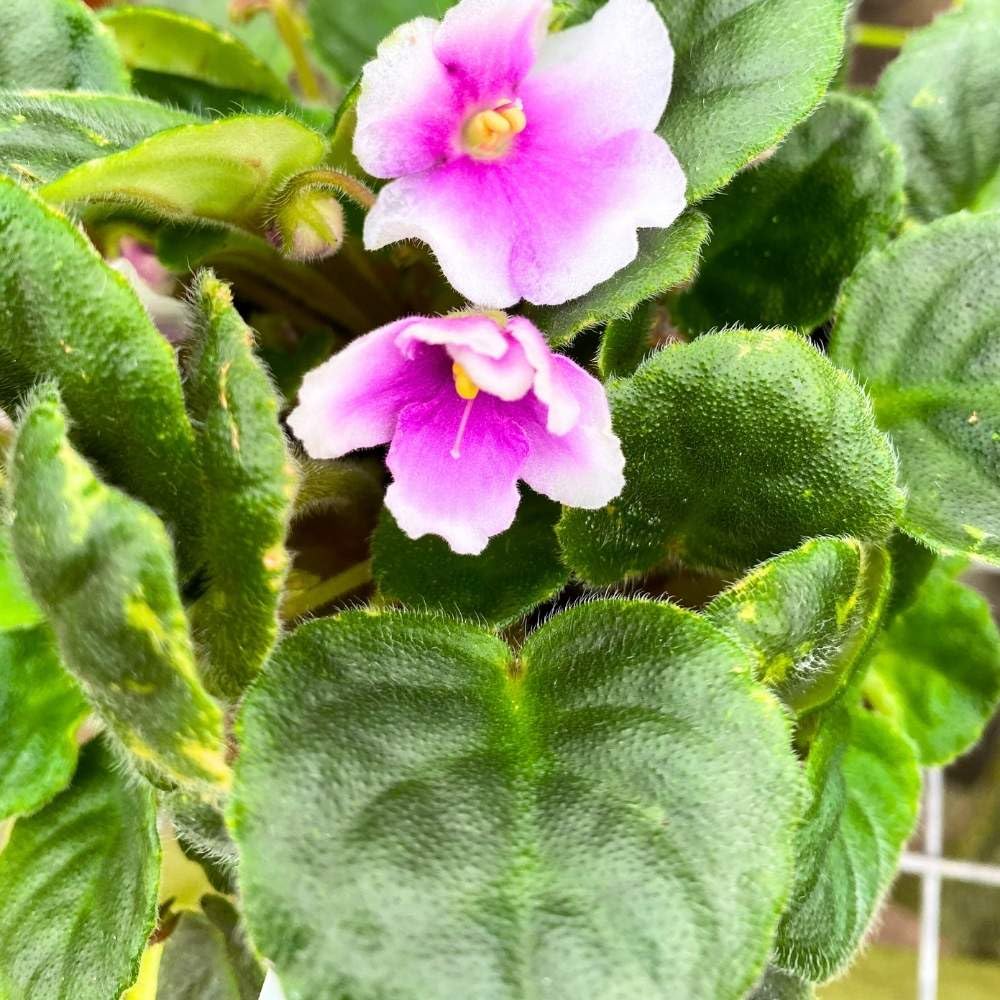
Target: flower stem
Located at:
point(326, 177)
point(879, 36)
point(298, 604)
point(289, 26)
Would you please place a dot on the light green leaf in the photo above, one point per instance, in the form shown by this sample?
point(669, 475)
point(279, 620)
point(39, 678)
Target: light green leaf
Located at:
point(518, 570)
point(17, 609)
point(940, 101)
point(807, 617)
point(57, 45)
point(865, 791)
point(936, 671)
point(249, 485)
point(101, 567)
point(164, 41)
point(570, 822)
point(226, 171)
point(919, 324)
point(738, 446)
point(65, 315)
point(45, 133)
point(41, 708)
point(207, 958)
point(78, 888)
point(787, 233)
point(666, 258)
point(745, 72)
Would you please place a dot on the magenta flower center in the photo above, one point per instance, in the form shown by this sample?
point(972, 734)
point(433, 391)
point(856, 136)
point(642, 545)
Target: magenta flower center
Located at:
point(487, 134)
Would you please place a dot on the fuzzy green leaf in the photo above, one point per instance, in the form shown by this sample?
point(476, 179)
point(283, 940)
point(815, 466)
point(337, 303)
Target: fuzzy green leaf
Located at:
point(164, 41)
point(807, 617)
point(41, 708)
point(101, 567)
point(936, 671)
point(45, 133)
point(865, 786)
point(626, 343)
point(249, 486)
point(776, 258)
point(17, 609)
point(65, 315)
point(745, 72)
point(78, 888)
point(518, 570)
point(940, 101)
point(738, 446)
point(57, 45)
point(573, 822)
point(780, 985)
point(919, 324)
point(226, 171)
point(667, 257)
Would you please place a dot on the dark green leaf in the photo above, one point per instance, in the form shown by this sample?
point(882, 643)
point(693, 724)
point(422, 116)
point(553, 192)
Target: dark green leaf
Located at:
point(666, 258)
point(518, 570)
point(627, 343)
point(56, 45)
point(940, 101)
point(101, 566)
point(41, 708)
point(936, 670)
point(249, 486)
point(786, 234)
point(780, 985)
point(738, 446)
point(226, 171)
point(574, 822)
point(45, 133)
point(911, 562)
point(745, 72)
point(164, 41)
point(64, 314)
point(865, 791)
point(919, 324)
point(807, 617)
point(78, 888)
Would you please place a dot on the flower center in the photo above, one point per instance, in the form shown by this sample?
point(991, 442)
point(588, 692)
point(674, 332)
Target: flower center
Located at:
point(464, 385)
point(488, 134)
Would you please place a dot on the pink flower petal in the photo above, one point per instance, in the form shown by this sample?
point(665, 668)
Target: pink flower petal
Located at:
point(551, 388)
point(408, 113)
point(489, 46)
point(583, 467)
point(465, 500)
point(608, 75)
point(476, 332)
point(353, 400)
point(510, 377)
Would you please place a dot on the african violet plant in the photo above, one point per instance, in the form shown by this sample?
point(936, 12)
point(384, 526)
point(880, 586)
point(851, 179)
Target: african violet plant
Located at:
point(613, 674)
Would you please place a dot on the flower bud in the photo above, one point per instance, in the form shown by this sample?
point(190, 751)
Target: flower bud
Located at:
point(309, 225)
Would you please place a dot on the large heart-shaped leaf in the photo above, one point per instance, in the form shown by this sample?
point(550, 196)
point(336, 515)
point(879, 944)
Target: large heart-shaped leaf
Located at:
point(607, 813)
point(940, 101)
point(737, 446)
point(919, 324)
point(773, 259)
point(78, 888)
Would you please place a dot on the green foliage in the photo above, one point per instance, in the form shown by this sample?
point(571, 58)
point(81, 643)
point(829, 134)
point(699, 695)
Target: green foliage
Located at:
point(56, 45)
point(518, 570)
point(207, 958)
point(744, 74)
point(918, 326)
point(865, 786)
point(561, 821)
point(780, 985)
point(163, 41)
point(737, 446)
point(774, 260)
point(807, 617)
point(78, 888)
point(225, 171)
point(940, 100)
point(249, 486)
point(45, 133)
point(116, 374)
point(100, 565)
point(936, 671)
point(17, 609)
point(626, 343)
point(667, 257)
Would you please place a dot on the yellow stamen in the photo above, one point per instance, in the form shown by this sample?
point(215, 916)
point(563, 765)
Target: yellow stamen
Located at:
point(488, 133)
point(464, 385)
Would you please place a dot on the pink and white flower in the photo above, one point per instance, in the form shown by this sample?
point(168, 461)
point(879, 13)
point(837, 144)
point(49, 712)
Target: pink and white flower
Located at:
point(526, 161)
point(471, 403)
